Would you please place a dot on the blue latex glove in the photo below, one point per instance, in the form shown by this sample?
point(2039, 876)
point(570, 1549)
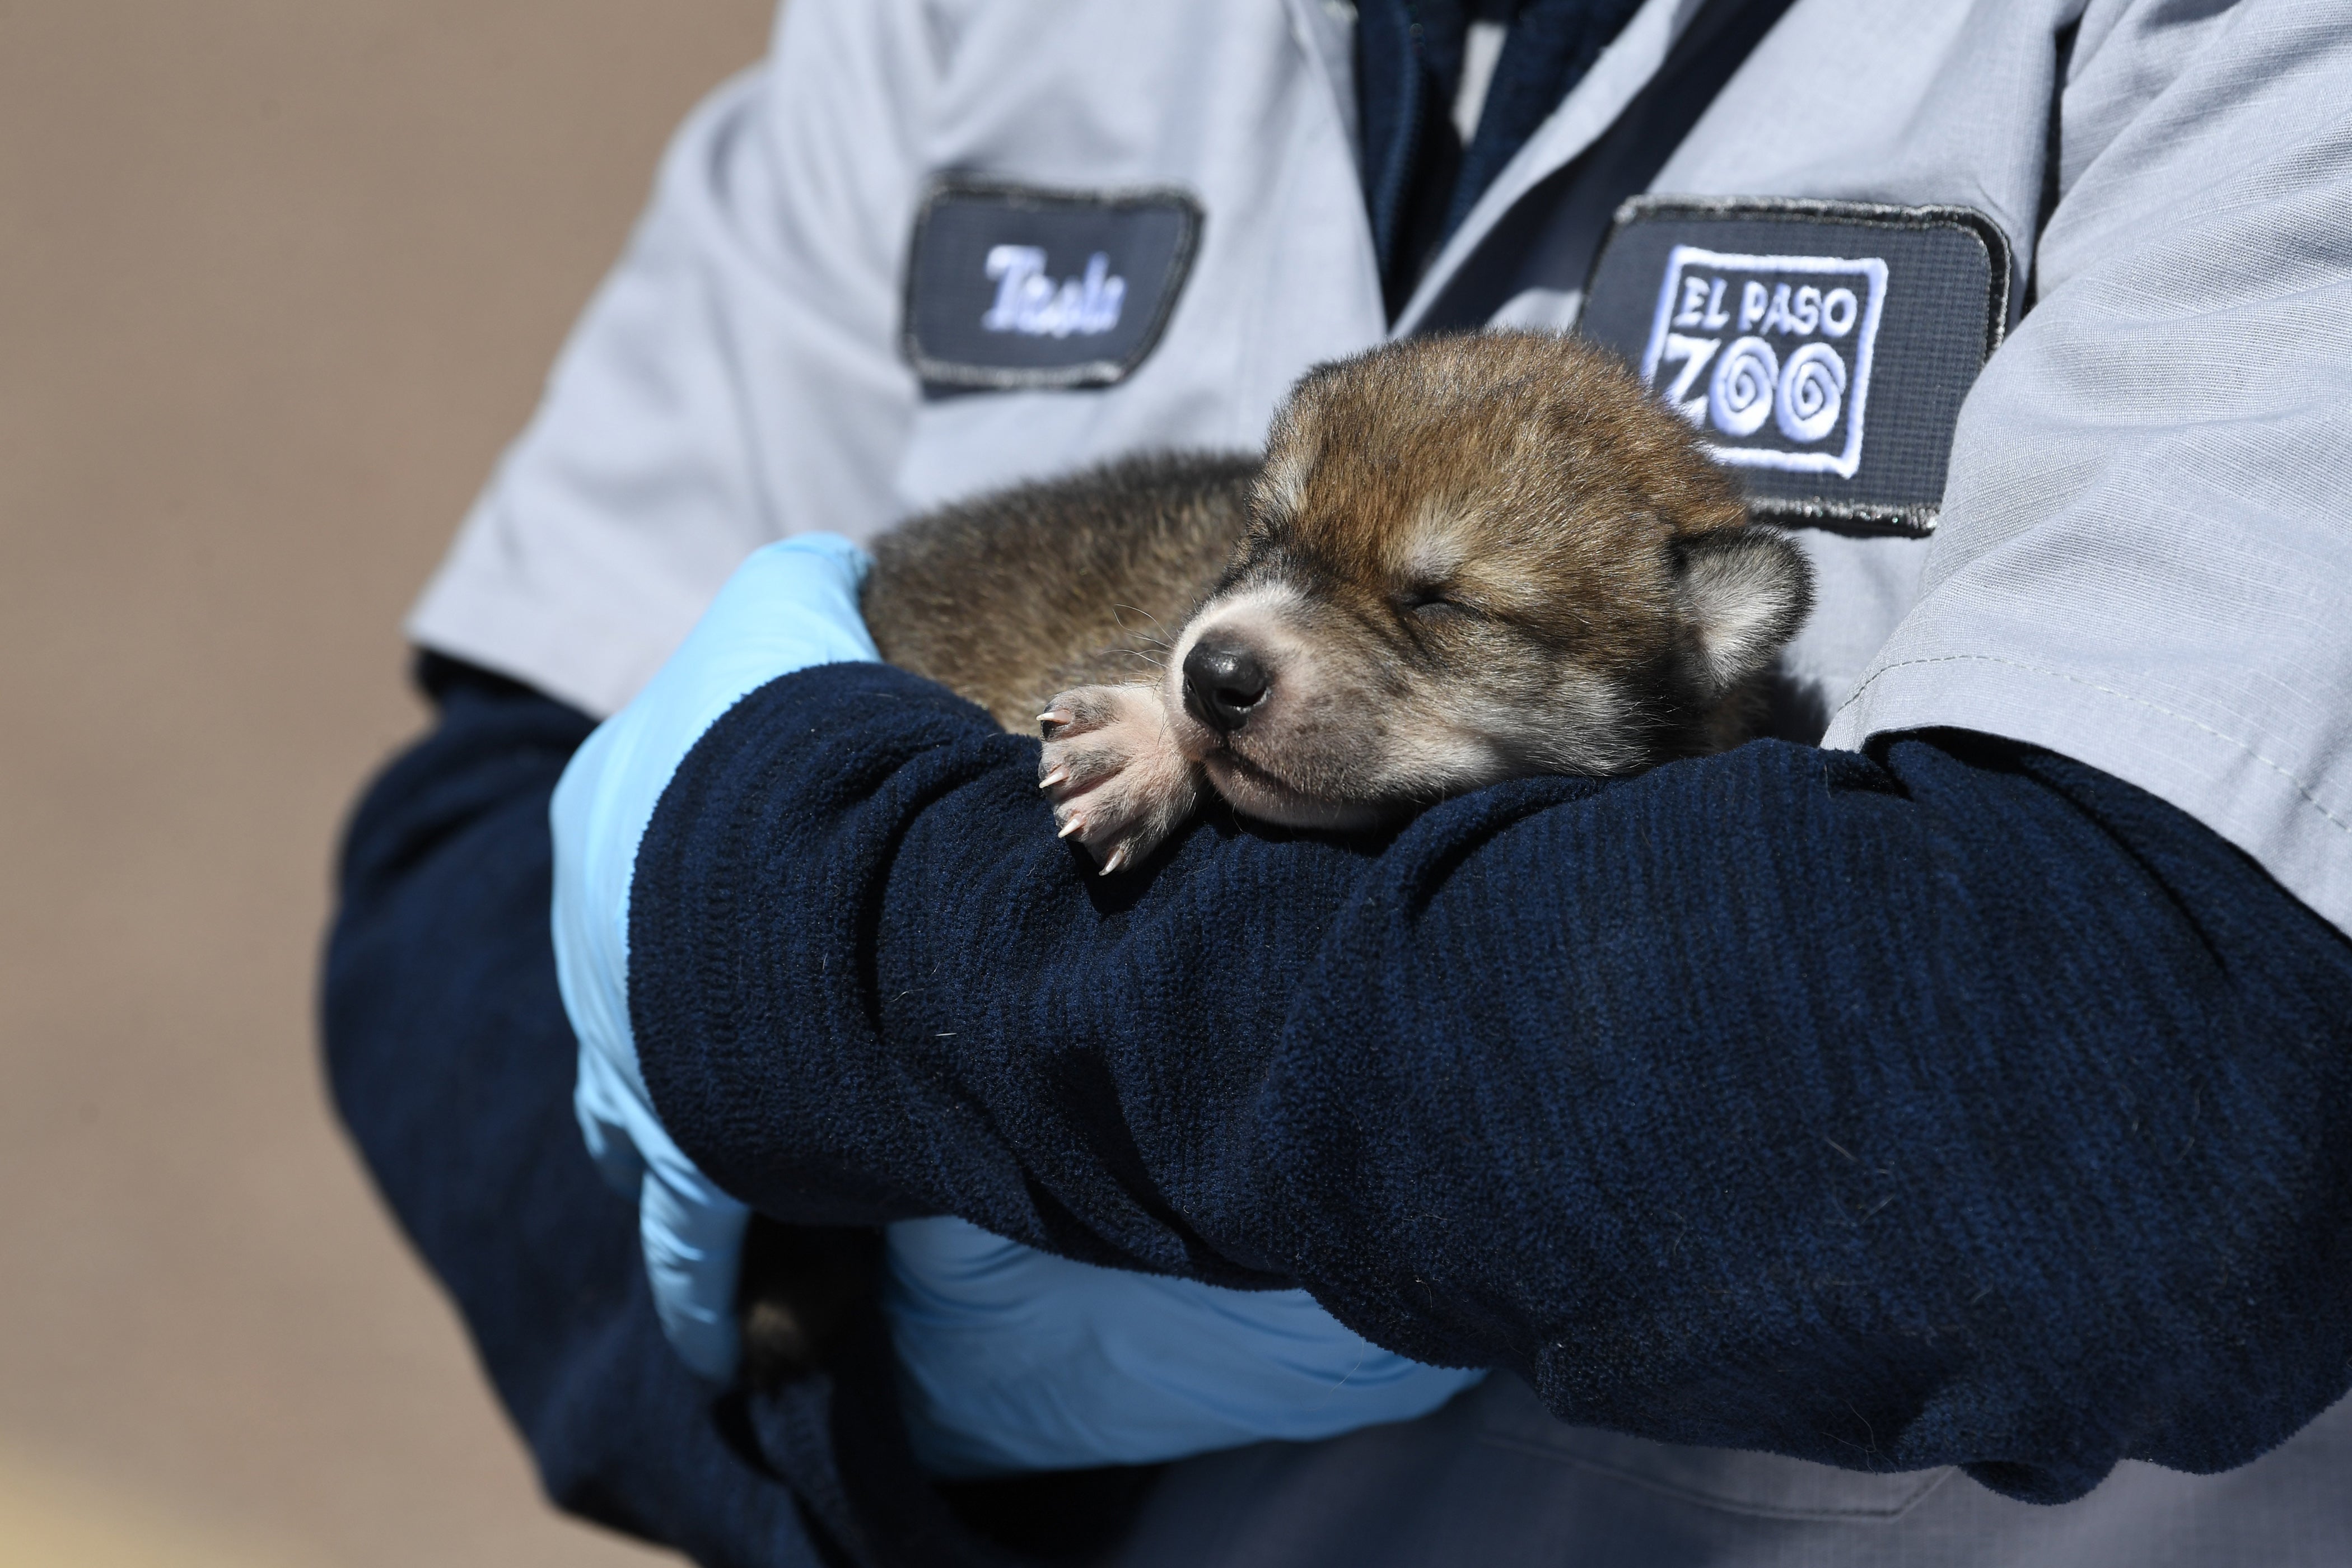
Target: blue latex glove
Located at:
point(1012, 1360)
point(787, 606)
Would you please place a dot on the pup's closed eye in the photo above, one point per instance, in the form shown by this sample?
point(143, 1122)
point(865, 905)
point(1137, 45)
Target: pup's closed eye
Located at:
point(1434, 601)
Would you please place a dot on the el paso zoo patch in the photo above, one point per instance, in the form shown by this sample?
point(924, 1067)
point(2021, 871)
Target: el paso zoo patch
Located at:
point(1824, 349)
point(1791, 390)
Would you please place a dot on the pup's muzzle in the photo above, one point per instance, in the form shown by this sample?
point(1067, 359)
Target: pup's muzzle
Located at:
point(1223, 686)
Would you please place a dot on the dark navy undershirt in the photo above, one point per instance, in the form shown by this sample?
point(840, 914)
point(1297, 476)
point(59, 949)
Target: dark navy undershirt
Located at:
point(1419, 179)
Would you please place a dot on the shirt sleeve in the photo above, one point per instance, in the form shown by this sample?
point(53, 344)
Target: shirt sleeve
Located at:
point(1953, 1104)
point(2144, 560)
point(734, 381)
point(451, 1064)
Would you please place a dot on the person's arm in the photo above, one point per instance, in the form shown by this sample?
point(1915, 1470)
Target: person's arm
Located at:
point(1960, 1104)
point(739, 378)
point(451, 1063)
point(2142, 560)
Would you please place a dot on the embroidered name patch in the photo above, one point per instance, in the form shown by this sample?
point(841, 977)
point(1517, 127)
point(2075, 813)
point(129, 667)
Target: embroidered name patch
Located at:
point(1008, 286)
point(1822, 348)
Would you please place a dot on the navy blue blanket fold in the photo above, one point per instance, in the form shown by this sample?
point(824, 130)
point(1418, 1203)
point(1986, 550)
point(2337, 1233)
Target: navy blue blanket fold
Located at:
point(1957, 1104)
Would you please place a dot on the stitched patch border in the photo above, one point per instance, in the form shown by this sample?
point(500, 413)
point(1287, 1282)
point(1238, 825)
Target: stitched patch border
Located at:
point(1777, 463)
point(944, 371)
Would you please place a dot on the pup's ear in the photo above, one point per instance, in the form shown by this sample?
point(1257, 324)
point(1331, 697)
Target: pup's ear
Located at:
point(1747, 591)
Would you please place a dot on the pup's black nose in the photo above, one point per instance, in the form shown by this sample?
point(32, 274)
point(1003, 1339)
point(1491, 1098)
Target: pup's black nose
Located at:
point(1222, 686)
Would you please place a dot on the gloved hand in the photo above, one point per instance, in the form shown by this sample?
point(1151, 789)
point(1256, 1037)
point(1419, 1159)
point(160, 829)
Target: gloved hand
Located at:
point(787, 606)
point(1013, 1359)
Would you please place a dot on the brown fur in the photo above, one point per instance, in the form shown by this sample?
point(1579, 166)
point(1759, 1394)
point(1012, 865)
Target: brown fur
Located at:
point(1467, 559)
point(1539, 461)
point(1013, 597)
point(1484, 529)
point(1463, 559)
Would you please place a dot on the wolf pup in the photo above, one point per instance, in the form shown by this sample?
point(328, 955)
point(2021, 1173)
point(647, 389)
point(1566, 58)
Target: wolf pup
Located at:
point(1462, 560)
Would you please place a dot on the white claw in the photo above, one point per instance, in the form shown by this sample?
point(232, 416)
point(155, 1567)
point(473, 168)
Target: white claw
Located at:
point(1117, 858)
point(1075, 825)
point(1059, 776)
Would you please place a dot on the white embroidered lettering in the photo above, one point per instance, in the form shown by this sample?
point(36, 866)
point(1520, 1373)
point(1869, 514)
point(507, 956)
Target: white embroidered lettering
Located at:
point(1798, 407)
point(1810, 393)
point(1808, 308)
point(1739, 397)
point(1695, 353)
point(1033, 304)
point(1752, 299)
point(1014, 267)
point(1839, 309)
point(1694, 301)
point(1105, 294)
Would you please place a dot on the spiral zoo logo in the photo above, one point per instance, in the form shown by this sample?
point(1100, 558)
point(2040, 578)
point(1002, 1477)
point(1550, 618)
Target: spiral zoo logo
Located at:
point(1769, 354)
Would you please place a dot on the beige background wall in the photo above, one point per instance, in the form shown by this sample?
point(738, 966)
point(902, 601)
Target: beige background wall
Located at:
point(277, 279)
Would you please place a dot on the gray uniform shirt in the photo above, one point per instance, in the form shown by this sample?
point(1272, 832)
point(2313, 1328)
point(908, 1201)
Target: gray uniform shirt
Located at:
point(2142, 558)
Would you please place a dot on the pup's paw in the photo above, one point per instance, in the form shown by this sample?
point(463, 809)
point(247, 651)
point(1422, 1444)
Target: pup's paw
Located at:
point(1111, 768)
